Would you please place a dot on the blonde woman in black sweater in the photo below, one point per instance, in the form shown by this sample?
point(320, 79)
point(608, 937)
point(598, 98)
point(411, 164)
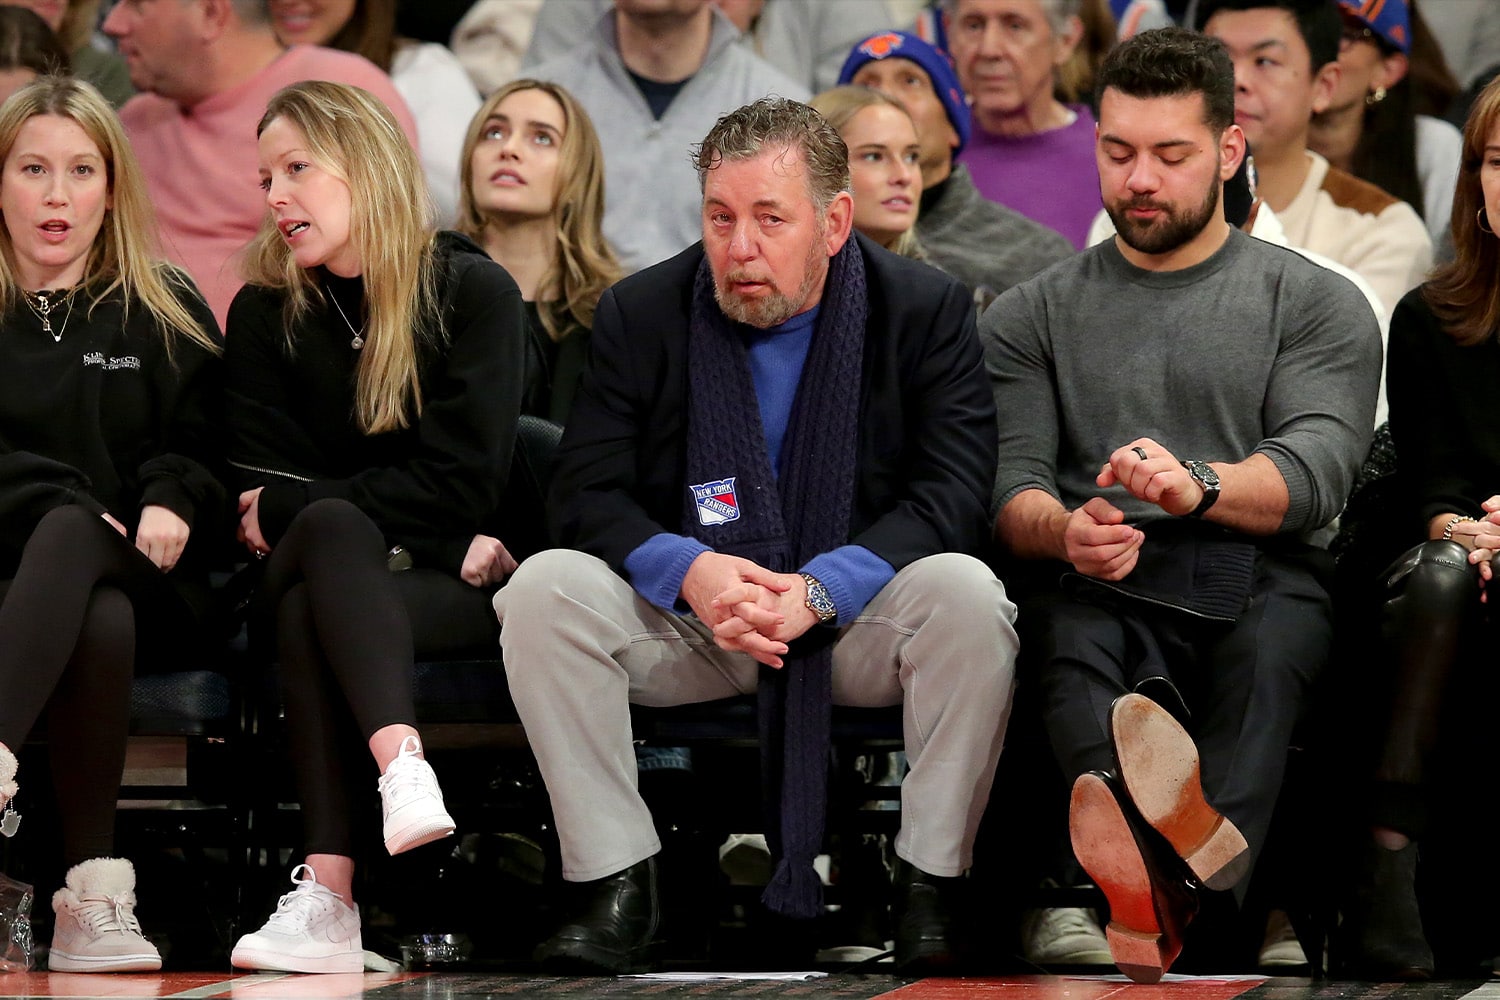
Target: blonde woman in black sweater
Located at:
point(107, 498)
point(375, 374)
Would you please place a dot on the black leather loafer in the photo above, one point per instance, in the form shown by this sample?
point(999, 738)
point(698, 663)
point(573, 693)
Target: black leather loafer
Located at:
point(613, 926)
point(926, 909)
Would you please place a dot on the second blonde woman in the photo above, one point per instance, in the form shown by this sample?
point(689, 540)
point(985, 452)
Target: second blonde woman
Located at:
point(375, 375)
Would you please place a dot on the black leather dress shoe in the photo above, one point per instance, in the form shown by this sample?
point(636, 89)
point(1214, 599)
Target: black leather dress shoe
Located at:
point(1151, 897)
point(612, 927)
point(926, 910)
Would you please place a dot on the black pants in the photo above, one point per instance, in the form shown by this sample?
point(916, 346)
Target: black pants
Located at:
point(69, 625)
point(347, 632)
point(1243, 684)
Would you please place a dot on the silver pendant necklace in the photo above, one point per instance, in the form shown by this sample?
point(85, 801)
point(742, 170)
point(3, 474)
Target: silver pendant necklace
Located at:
point(359, 335)
point(44, 305)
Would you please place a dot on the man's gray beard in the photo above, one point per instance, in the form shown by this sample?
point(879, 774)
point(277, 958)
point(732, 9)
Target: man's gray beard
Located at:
point(776, 308)
point(762, 313)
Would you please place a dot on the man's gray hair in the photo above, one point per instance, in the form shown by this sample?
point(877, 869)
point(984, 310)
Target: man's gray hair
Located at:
point(1057, 11)
point(775, 123)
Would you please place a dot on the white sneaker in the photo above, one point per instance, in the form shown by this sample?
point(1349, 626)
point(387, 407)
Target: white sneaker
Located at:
point(96, 929)
point(746, 859)
point(1280, 948)
point(1064, 935)
point(411, 801)
point(312, 930)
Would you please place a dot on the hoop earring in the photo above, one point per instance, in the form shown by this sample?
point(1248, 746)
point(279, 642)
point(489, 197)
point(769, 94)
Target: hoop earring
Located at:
point(1479, 218)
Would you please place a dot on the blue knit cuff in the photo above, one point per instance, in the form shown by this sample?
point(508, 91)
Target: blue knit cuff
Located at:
point(657, 567)
point(853, 575)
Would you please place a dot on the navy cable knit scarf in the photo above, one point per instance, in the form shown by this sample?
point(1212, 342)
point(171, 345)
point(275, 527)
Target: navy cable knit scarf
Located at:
point(735, 505)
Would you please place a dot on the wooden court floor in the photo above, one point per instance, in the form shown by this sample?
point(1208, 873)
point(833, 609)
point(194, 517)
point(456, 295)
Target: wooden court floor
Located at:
point(836, 986)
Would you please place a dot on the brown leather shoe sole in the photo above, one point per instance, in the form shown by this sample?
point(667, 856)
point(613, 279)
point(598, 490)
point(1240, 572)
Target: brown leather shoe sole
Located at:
point(1105, 845)
point(1158, 764)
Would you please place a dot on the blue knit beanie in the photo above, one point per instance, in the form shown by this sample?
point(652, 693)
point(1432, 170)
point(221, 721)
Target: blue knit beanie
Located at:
point(939, 69)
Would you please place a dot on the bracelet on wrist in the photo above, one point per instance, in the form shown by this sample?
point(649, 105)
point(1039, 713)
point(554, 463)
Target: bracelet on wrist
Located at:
point(1454, 522)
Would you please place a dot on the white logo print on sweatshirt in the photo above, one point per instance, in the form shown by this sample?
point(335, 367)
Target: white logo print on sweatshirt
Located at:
point(111, 364)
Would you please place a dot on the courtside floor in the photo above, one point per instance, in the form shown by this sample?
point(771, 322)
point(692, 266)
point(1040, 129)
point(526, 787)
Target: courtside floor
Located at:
point(836, 986)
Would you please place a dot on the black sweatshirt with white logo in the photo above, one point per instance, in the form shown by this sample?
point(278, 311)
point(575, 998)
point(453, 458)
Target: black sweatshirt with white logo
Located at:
point(96, 414)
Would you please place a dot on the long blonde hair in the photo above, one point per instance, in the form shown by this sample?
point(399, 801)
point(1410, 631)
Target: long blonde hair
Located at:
point(352, 135)
point(583, 265)
point(1465, 293)
point(839, 106)
point(123, 257)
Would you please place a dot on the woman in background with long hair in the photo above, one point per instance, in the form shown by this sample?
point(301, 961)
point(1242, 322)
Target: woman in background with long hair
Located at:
point(1372, 127)
point(533, 197)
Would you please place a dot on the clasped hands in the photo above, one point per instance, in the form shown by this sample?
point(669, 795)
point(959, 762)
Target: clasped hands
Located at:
point(750, 609)
point(1098, 541)
point(1482, 539)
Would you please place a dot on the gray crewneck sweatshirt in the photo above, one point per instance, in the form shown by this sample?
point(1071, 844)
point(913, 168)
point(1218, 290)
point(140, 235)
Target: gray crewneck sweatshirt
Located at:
point(1256, 349)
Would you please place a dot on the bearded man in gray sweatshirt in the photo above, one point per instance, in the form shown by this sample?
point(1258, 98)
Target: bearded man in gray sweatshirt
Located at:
point(1180, 408)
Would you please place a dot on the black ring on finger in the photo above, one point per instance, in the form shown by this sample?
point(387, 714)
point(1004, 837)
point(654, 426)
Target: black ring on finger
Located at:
point(1140, 451)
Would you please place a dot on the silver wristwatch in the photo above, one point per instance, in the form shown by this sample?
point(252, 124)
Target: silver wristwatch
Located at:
point(818, 601)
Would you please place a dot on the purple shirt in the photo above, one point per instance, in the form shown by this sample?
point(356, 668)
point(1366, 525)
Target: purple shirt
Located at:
point(1049, 177)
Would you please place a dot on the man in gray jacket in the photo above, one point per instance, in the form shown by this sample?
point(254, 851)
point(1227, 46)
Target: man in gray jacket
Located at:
point(1179, 407)
point(805, 39)
point(654, 78)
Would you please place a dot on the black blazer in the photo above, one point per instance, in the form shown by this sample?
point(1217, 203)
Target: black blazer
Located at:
point(927, 449)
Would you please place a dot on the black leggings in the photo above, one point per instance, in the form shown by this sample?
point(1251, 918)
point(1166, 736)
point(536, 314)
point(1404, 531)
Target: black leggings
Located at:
point(347, 632)
point(68, 644)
